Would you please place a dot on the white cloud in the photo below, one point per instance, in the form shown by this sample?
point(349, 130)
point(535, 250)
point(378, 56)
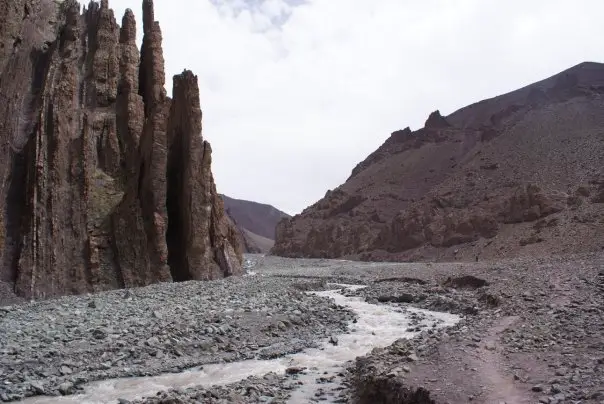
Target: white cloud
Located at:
point(295, 94)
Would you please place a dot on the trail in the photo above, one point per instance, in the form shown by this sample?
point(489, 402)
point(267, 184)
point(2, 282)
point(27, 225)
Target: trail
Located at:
point(487, 361)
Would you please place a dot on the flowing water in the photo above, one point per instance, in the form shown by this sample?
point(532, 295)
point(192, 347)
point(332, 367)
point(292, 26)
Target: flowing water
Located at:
point(376, 326)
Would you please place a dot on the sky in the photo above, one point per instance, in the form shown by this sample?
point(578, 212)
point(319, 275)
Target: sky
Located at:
point(296, 92)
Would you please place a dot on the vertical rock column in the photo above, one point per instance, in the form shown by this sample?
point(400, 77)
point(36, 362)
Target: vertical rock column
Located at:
point(186, 235)
point(140, 221)
point(130, 107)
point(129, 239)
point(94, 192)
point(54, 231)
point(198, 230)
point(25, 30)
point(102, 156)
point(153, 144)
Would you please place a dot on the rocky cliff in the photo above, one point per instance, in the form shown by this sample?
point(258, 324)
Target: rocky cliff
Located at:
point(518, 174)
point(106, 182)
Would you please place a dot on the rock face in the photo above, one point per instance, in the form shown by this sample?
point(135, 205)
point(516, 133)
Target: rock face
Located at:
point(518, 174)
point(106, 182)
point(255, 222)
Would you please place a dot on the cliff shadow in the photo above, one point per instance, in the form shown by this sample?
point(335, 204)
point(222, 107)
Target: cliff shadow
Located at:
point(175, 234)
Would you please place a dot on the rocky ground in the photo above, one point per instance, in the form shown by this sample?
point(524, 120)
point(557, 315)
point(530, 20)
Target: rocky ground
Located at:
point(538, 339)
point(532, 332)
point(53, 347)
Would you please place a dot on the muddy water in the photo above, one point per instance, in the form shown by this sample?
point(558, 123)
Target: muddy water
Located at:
point(377, 326)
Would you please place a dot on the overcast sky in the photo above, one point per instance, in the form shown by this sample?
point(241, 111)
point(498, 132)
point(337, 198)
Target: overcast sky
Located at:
point(295, 93)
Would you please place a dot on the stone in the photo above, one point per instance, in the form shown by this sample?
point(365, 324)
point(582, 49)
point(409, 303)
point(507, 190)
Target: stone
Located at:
point(402, 298)
point(65, 370)
point(151, 341)
point(66, 388)
point(555, 389)
point(405, 298)
point(294, 370)
point(107, 180)
point(99, 334)
point(465, 282)
point(37, 387)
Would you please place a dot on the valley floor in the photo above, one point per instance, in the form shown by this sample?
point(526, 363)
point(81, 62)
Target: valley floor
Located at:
point(532, 331)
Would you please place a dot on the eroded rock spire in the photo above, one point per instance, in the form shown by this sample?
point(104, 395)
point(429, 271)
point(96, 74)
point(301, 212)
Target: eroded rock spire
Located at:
point(108, 182)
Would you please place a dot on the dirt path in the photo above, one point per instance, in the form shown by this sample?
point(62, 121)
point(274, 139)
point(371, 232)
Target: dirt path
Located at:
point(500, 387)
point(473, 369)
point(532, 334)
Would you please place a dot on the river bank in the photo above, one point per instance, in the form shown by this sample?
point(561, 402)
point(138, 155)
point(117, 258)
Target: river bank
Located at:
point(531, 331)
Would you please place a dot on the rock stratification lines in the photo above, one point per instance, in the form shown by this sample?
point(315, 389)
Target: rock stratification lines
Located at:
point(105, 181)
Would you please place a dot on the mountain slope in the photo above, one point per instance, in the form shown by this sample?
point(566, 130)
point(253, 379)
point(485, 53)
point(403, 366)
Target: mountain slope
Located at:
point(517, 174)
point(255, 222)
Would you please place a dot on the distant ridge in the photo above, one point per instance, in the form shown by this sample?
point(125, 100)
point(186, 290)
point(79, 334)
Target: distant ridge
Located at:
point(255, 221)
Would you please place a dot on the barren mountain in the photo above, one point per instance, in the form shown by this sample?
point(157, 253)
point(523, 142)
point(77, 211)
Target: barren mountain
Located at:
point(106, 181)
point(255, 222)
point(518, 174)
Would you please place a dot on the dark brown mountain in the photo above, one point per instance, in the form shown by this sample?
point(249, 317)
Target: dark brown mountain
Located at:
point(106, 181)
point(255, 221)
point(518, 174)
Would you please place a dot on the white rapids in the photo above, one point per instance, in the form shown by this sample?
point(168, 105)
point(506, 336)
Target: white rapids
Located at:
point(376, 326)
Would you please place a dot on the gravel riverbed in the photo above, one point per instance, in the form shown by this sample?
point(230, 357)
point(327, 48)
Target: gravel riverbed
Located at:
point(532, 332)
point(52, 347)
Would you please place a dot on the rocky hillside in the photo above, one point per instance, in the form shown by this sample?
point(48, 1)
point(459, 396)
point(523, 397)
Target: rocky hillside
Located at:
point(256, 223)
point(518, 174)
point(106, 181)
